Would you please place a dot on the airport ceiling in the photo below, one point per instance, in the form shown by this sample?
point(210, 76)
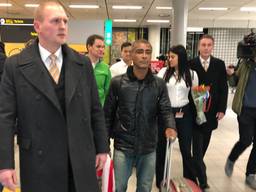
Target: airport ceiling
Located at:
point(196, 17)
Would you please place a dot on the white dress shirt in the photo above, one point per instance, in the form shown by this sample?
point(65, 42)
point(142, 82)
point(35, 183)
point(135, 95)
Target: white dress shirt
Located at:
point(118, 68)
point(46, 59)
point(177, 90)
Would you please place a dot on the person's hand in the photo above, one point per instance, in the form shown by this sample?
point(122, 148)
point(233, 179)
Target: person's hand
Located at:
point(100, 160)
point(171, 133)
point(230, 70)
point(8, 178)
point(219, 115)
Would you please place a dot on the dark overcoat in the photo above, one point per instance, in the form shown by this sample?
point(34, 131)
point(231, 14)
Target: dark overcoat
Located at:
point(47, 138)
point(216, 78)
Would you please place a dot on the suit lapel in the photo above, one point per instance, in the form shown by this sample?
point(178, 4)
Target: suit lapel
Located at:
point(73, 73)
point(32, 67)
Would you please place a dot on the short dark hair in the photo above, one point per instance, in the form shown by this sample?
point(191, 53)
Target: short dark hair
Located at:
point(125, 44)
point(206, 36)
point(91, 39)
point(143, 41)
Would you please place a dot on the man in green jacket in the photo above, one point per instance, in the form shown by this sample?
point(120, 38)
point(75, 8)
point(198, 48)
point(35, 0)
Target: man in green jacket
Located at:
point(244, 105)
point(95, 46)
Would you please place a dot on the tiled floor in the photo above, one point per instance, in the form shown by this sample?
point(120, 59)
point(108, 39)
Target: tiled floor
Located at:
point(222, 141)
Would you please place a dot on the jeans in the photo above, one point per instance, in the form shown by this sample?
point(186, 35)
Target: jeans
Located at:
point(1, 187)
point(145, 170)
point(247, 136)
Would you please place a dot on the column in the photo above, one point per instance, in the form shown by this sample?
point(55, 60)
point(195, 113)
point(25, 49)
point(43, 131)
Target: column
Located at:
point(154, 39)
point(179, 22)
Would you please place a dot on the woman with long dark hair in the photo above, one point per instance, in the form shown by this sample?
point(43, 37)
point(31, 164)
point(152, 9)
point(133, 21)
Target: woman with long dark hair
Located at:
point(179, 80)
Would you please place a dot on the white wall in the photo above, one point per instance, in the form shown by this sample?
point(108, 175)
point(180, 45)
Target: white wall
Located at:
point(80, 30)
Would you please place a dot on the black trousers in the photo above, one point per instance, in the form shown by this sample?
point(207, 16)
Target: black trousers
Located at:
point(247, 136)
point(184, 128)
point(201, 140)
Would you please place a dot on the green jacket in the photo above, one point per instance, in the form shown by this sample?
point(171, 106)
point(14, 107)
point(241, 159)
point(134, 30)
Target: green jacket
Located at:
point(242, 74)
point(103, 76)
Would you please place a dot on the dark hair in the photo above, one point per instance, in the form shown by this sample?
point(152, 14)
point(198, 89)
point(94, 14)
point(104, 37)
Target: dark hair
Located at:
point(125, 44)
point(140, 41)
point(183, 68)
point(2, 48)
point(206, 36)
point(91, 39)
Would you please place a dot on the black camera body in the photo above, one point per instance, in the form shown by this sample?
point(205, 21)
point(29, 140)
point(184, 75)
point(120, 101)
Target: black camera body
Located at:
point(246, 49)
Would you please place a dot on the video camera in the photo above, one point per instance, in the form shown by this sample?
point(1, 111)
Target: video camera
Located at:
point(246, 49)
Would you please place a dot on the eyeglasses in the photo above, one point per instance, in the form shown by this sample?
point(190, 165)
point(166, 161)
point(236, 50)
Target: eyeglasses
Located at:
point(141, 51)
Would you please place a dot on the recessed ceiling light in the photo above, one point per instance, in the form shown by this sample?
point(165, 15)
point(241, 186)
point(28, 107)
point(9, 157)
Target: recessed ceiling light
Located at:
point(213, 8)
point(84, 6)
point(126, 7)
point(5, 4)
point(158, 21)
point(195, 29)
point(31, 5)
point(125, 20)
point(164, 8)
point(248, 9)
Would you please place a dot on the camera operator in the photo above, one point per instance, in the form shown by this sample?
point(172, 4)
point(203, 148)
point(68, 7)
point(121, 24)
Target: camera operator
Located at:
point(244, 105)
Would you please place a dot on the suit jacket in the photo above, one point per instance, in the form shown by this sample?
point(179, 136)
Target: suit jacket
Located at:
point(216, 78)
point(46, 138)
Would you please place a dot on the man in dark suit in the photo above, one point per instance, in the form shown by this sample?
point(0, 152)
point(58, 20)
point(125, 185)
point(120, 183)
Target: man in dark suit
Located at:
point(2, 60)
point(211, 72)
point(51, 90)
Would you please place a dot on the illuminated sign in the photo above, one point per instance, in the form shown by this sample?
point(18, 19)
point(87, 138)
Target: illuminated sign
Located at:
point(108, 32)
point(13, 21)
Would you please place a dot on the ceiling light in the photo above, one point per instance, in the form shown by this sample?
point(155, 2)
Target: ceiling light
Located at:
point(31, 5)
point(248, 9)
point(195, 29)
point(5, 4)
point(125, 20)
point(84, 6)
point(158, 21)
point(164, 8)
point(213, 8)
point(126, 7)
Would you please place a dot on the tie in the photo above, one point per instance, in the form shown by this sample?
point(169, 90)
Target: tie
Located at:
point(54, 71)
point(205, 65)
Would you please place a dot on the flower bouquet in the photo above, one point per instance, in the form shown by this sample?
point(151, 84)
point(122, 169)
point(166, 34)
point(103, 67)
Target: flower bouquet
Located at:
point(200, 96)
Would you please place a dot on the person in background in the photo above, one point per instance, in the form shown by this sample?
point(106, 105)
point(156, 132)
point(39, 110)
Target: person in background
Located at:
point(51, 91)
point(136, 99)
point(2, 60)
point(244, 105)
point(179, 80)
point(95, 47)
point(211, 72)
point(121, 66)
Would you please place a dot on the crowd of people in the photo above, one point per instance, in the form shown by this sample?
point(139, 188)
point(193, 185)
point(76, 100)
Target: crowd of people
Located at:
point(64, 108)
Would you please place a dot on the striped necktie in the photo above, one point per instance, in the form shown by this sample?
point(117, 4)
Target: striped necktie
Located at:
point(205, 65)
point(53, 69)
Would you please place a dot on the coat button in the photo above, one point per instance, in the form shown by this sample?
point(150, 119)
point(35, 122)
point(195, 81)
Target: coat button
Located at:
point(40, 152)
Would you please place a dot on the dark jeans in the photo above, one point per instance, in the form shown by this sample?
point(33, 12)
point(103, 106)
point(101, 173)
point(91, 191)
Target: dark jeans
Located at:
point(247, 136)
point(184, 128)
point(201, 140)
point(1, 187)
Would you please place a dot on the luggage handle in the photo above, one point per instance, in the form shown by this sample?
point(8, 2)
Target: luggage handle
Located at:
point(167, 164)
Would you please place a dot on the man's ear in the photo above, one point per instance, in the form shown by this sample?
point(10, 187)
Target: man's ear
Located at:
point(36, 26)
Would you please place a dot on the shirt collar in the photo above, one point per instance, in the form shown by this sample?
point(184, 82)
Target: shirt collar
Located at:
point(45, 53)
point(202, 60)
